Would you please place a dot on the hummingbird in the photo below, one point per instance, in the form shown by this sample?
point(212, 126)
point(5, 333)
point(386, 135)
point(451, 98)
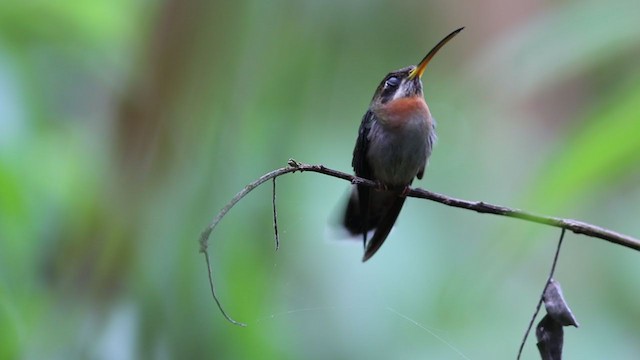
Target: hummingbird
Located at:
point(395, 139)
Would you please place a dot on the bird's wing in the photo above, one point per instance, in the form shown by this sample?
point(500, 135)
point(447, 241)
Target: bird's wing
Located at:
point(420, 173)
point(363, 169)
point(360, 164)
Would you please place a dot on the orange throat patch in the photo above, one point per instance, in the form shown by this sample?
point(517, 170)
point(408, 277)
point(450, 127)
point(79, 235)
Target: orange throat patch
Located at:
point(397, 113)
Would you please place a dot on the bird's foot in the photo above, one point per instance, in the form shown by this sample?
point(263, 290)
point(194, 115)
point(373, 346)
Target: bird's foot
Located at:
point(405, 191)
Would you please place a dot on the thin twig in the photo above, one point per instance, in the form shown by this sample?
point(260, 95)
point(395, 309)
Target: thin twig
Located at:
point(275, 216)
point(575, 226)
point(535, 313)
point(213, 293)
point(204, 237)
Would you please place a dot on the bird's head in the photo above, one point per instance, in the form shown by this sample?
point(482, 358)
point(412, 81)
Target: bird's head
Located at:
point(406, 82)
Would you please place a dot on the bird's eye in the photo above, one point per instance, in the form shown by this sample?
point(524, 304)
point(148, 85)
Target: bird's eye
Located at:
point(392, 82)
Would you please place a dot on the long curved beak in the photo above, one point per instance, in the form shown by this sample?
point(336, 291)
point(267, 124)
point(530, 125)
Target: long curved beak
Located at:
point(419, 70)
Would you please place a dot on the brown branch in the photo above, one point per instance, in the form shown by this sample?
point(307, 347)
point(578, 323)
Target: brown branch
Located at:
point(575, 226)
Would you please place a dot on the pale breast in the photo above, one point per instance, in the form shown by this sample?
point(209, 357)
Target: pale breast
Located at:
point(400, 147)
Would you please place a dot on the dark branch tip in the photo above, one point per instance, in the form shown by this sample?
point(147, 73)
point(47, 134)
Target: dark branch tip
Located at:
point(293, 163)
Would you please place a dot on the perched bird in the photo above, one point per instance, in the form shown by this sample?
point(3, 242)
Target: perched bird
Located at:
point(394, 142)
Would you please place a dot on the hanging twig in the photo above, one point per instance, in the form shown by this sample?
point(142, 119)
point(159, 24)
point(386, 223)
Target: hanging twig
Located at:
point(275, 216)
point(535, 313)
point(213, 293)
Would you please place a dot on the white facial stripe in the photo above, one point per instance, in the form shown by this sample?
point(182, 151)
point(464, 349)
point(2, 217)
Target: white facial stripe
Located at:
point(402, 90)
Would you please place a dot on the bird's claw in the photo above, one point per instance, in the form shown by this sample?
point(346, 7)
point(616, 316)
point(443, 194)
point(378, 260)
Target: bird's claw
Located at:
point(293, 163)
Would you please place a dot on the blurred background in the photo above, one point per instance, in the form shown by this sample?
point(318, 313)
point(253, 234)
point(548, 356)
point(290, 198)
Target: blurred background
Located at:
point(126, 125)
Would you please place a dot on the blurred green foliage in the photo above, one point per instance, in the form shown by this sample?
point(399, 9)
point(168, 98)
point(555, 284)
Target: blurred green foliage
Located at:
point(125, 126)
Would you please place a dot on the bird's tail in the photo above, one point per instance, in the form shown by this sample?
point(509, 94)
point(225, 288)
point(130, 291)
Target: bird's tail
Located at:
point(381, 213)
point(385, 224)
point(354, 219)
